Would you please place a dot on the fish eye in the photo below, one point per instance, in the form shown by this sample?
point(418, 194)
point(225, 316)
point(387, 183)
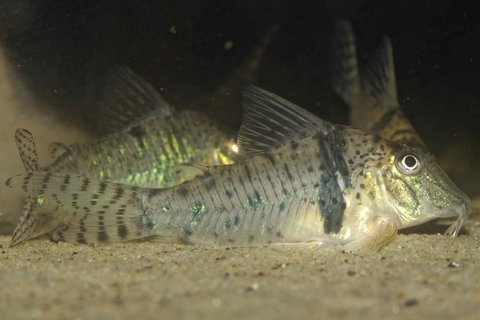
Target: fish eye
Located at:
point(409, 163)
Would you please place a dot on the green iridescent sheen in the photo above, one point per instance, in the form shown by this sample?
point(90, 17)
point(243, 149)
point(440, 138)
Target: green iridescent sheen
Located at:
point(197, 209)
point(255, 202)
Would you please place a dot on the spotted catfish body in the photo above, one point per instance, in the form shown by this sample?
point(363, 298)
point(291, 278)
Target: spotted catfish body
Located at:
point(147, 138)
point(371, 94)
point(144, 153)
point(301, 180)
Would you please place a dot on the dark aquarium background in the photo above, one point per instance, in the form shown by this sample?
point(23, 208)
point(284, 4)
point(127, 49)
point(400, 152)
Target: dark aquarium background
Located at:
point(189, 49)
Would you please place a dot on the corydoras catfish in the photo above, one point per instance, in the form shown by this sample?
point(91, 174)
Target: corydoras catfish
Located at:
point(146, 139)
point(300, 180)
point(371, 94)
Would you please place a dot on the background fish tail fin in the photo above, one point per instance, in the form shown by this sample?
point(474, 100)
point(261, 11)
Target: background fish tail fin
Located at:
point(378, 78)
point(245, 72)
point(27, 149)
point(227, 96)
point(28, 219)
point(26, 223)
point(83, 210)
point(344, 66)
point(386, 118)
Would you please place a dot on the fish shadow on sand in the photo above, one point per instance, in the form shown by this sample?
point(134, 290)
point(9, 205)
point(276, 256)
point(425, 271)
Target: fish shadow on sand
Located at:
point(431, 227)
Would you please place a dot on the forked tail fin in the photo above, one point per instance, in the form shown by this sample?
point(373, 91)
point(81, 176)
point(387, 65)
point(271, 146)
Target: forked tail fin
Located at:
point(371, 90)
point(27, 149)
point(370, 94)
point(29, 155)
point(82, 210)
point(344, 66)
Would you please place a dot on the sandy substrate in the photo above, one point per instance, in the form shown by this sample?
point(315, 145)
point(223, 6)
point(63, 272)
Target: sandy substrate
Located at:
point(418, 276)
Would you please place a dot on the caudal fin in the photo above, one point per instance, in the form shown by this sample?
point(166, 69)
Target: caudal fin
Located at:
point(371, 89)
point(378, 78)
point(344, 66)
point(27, 149)
point(82, 210)
point(371, 93)
point(29, 155)
point(26, 223)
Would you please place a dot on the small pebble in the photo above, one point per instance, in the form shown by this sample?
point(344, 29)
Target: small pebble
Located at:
point(278, 266)
point(411, 302)
point(253, 287)
point(453, 264)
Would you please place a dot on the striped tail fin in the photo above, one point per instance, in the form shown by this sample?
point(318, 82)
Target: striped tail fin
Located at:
point(370, 94)
point(378, 78)
point(228, 94)
point(81, 210)
point(28, 219)
point(27, 149)
point(344, 66)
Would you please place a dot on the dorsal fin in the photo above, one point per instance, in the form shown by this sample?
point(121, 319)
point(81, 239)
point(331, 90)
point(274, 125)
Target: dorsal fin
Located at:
point(27, 149)
point(344, 66)
point(127, 98)
point(378, 78)
point(270, 121)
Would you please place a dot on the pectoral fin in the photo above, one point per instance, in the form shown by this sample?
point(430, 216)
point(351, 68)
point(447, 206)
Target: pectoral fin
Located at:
point(379, 236)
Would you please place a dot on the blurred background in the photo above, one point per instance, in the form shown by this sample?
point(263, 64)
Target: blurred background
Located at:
point(54, 55)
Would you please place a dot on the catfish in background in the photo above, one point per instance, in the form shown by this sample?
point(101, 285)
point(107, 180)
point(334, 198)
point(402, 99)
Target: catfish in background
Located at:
point(371, 94)
point(130, 105)
point(301, 180)
point(148, 138)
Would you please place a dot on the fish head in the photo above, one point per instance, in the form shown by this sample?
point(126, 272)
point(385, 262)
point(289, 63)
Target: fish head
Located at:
point(419, 190)
point(400, 181)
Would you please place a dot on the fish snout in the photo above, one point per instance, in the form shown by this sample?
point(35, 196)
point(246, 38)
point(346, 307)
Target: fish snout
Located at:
point(462, 211)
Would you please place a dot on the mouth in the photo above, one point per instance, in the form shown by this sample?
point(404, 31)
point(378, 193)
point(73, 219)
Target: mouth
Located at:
point(461, 212)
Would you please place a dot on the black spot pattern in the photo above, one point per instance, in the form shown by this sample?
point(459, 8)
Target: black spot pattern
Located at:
point(138, 133)
point(330, 197)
